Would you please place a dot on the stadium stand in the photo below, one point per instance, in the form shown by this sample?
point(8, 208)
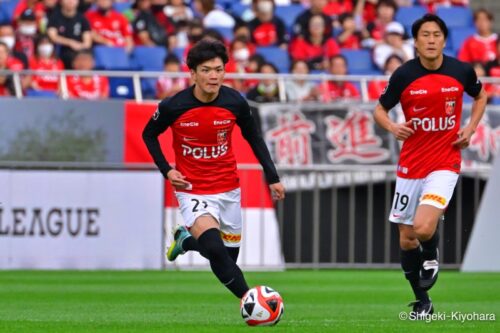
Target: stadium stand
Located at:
point(149, 58)
point(288, 14)
point(456, 17)
point(407, 15)
point(360, 62)
point(111, 58)
point(276, 56)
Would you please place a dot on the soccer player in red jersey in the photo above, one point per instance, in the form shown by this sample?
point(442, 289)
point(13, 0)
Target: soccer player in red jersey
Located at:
point(430, 90)
point(202, 119)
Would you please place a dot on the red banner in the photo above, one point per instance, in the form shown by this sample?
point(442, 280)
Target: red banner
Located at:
point(255, 192)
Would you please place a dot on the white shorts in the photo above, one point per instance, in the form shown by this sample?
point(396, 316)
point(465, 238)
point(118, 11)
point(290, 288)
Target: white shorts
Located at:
point(436, 190)
point(224, 207)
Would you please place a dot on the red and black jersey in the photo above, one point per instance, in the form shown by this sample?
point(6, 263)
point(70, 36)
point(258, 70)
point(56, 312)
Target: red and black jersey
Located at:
point(433, 101)
point(202, 135)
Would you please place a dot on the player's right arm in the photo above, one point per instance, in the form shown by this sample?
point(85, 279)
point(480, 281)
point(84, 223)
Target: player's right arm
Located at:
point(400, 131)
point(159, 123)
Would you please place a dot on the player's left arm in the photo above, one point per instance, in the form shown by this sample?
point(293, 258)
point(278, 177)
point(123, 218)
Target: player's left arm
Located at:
point(474, 88)
point(251, 133)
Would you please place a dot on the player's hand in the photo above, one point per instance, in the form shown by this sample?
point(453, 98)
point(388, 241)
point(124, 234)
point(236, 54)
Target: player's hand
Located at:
point(177, 179)
point(277, 191)
point(402, 131)
point(464, 135)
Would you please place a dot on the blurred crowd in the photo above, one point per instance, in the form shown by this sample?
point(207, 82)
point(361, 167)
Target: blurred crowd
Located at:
point(313, 36)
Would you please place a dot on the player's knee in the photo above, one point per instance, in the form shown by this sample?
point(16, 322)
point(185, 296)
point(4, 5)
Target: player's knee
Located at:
point(424, 231)
point(408, 243)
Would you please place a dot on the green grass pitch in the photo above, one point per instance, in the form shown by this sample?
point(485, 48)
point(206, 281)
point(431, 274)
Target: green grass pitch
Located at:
point(172, 301)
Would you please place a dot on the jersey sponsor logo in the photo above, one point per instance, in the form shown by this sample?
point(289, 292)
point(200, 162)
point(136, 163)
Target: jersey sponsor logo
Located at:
point(402, 169)
point(190, 124)
point(230, 238)
point(205, 152)
point(156, 114)
point(449, 89)
point(449, 106)
point(418, 92)
point(222, 137)
point(434, 124)
point(434, 197)
point(415, 109)
point(222, 122)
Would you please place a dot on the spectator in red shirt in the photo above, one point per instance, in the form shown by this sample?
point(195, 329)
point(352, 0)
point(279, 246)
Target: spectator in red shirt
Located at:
point(267, 29)
point(376, 87)
point(36, 6)
point(110, 27)
point(45, 59)
point(482, 46)
point(335, 8)
point(433, 4)
point(89, 86)
point(314, 47)
point(6, 83)
point(334, 90)
point(168, 86)
point(26, 33)
point(386, 10)
point(493, 67)
point(17, 60)
point(240, 52)
point(351, 36)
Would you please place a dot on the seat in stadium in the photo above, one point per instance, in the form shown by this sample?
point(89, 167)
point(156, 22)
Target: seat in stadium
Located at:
point(277, 56)
point(149, 58)
point(237, 8)
point(41, 93)
point(122, 6)
point(111, 58)
point(458, 36)
point(179, 52)
point(359, 61)
point(455, 17)
point(288, 14)
point(7, 10)
point(227, 33)
point(121, 87)
point(224, 4)
point(407, 15)
point(495, 101)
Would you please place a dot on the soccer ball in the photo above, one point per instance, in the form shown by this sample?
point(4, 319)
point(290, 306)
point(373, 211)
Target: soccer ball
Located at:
point(261, 306)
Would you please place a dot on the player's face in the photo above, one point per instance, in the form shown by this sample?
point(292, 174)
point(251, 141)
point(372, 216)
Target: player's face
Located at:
point(430, 41)
point(209, 76)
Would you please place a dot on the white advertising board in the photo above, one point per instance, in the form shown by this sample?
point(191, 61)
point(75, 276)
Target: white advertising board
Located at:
point(81, 219)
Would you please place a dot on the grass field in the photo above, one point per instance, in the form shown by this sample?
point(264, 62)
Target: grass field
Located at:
point(171, 301)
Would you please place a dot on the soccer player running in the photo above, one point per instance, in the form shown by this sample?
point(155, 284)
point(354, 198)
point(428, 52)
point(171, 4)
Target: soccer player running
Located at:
point(202, 118)
point(430, 89)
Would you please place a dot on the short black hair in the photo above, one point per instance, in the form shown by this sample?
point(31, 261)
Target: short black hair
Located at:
point(429, 18)
point(204, 50)
point(171, 59)
point(269, 64)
